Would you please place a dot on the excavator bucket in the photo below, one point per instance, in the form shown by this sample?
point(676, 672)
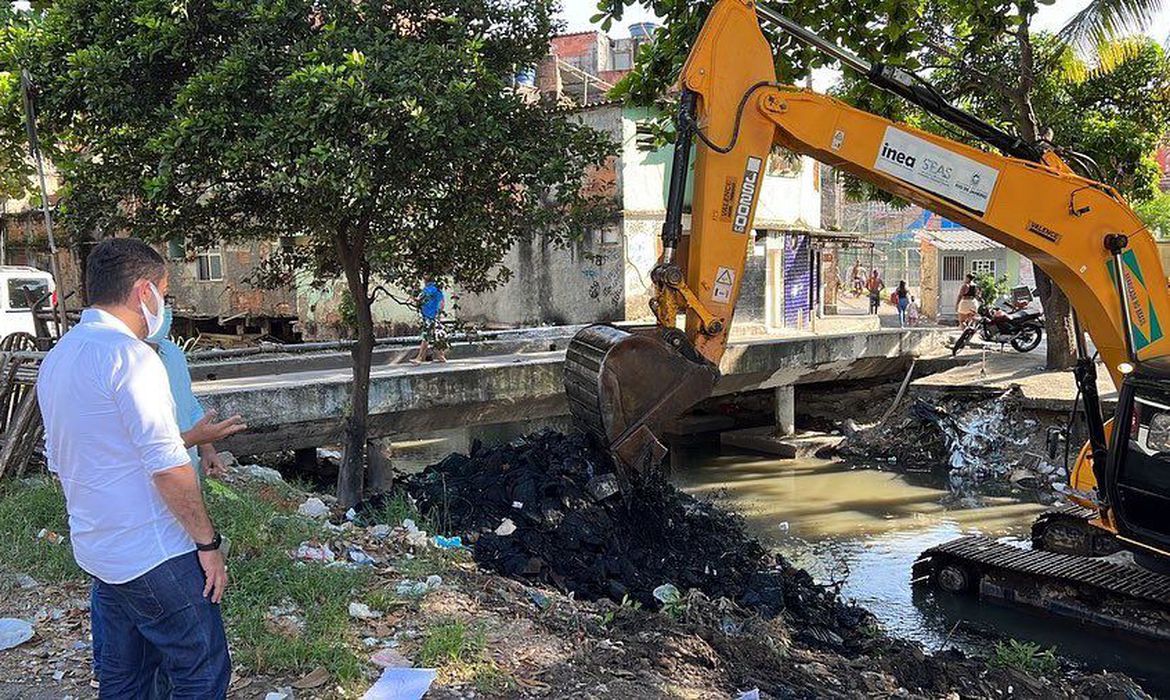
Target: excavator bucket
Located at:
point(625, 387)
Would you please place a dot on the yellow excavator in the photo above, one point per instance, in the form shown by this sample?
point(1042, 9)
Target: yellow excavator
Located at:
point(624, 386)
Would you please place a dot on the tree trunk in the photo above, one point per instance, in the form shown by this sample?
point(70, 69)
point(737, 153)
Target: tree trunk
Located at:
point(351, 476)
point(1058, 322)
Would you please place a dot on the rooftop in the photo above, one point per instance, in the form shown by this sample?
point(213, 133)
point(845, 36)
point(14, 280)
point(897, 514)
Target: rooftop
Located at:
point(958, 240)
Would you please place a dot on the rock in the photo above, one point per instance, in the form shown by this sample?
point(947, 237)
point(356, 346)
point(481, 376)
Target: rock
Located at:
point(314, 507)
point(389, 658)
point(255, 472)
point(314, 679)
point(361, 611)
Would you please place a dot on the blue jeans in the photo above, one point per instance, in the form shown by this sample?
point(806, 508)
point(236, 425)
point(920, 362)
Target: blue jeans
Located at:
point(156, 624)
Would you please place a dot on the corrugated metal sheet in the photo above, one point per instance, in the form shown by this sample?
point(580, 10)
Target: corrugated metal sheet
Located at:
point(961, 240)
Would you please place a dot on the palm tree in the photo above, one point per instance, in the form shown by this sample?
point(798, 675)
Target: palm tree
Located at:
point(1102, 20)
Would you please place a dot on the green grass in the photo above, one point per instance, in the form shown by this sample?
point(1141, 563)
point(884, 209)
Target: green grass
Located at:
point(26, 507)
point(1024, 656)
point(261, 573)
point(451, 643)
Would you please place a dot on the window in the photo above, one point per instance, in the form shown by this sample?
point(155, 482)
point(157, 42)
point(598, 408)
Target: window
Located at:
point(952, 268)
point(209, 267)
point(175, 249)
point(24, 292)
point(983, 267)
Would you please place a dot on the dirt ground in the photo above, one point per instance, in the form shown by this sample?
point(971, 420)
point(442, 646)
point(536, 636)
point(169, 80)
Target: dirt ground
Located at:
point(491, 636)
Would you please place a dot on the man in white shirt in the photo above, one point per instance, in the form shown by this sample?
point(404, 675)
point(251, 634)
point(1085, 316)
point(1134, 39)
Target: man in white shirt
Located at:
point(137, 520)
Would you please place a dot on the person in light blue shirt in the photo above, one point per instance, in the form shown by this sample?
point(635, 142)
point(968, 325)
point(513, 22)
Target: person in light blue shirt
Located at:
point(188, 411)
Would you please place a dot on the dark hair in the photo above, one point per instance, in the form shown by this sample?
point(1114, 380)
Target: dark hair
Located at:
point(115, 264)
point(970, 277)
point(901, 285)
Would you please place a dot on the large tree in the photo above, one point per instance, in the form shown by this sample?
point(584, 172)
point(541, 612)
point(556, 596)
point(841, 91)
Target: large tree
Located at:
point(383, 136)
point(946, 34)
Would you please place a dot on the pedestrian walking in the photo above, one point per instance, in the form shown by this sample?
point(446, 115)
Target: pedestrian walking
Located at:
point(874, 285)
point(913, 312)
point(967, 302)
point(902, 299)
point(431, 301)
point(137, 521)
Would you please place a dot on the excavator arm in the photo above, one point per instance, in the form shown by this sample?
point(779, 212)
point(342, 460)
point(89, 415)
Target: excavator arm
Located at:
point(1078, 231)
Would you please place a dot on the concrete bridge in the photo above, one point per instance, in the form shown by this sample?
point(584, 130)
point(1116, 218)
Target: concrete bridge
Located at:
point(297, 403)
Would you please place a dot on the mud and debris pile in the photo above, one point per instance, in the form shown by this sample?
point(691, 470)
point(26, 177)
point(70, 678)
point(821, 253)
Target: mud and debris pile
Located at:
point(980, 445)
point(546, 509)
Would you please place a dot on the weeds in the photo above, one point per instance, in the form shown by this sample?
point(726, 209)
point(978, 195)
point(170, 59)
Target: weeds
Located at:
point(451, 642)
point(26, 507)
point(1028, 657)
point(610, 615)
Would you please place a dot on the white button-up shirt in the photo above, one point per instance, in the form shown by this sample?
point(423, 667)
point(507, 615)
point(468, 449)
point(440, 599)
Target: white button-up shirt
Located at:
point(109, 426)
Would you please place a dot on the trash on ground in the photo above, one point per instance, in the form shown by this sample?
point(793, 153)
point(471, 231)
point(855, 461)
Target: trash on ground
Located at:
point(350, 514)
point(506, 528)
point(401, 684)
point(358, 556)
point(280, 694)
point(50, 536)
point(380, 532)
point(14, 632)
point(26, 581)
point(310, 551)
point(285, 619)
point(414, 536)
point(314, 507)
point(417, 589)
point(455, 542)
point(667, 594)
point(361, 611)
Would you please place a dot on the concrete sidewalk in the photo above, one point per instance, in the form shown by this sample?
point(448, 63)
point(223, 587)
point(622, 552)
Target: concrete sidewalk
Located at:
point(997, 371)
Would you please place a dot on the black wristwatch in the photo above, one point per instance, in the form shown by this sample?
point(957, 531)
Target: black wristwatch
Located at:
point(210, 546)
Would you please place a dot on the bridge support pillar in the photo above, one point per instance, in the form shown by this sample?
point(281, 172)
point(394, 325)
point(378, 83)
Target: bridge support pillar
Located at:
point(785, 411)
point(379, 465)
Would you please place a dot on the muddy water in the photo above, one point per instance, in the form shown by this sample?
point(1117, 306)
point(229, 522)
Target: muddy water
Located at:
point(862, 529)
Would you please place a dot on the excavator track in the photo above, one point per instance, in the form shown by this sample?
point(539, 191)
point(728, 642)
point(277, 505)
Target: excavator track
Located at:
point(1068, 530)
point(1099, 591)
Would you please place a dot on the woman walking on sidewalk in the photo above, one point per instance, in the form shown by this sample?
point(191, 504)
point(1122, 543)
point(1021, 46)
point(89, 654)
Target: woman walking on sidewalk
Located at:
point(902, 298)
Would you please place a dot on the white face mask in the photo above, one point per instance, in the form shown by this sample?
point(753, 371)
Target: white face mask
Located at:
point(154, 319)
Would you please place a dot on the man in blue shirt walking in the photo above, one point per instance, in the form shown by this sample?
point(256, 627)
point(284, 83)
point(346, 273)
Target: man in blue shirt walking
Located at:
point(430, 306)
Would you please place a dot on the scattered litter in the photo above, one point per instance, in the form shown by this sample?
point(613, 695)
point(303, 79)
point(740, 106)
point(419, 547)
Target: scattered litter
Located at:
point(784, 526)
point(285, 619)
point(308, 551)
point(26, 581)
point(753, 694)
point(417, 589)
point(603, 486)
point(351, 514)
point(517, 505)
point(58, 675)
point(361, 611)
point(667, 594)
point(448, 542)
point(414, 536)
point(358, 556)
point(401, 684)
point(14, 632)
point(314, 507)
point(280, 694)
point(328, 455)
point(389, 658)
point(314, 679)
point(50, 536)
point(538, 599)
point(506, 527)
point(370, 641)
point(256, 472)
point(380, 532)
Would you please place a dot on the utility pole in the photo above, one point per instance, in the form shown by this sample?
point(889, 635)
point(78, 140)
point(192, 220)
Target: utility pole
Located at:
point(34, 148)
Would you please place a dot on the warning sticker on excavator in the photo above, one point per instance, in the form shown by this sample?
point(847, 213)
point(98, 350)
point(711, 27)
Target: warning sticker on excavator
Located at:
point(935, 169)
point(724, 281)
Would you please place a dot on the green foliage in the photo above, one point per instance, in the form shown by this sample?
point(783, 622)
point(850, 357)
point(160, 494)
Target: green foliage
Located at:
point(25, 509)
point(1155, 214)
point(991, 288)
point(1028, 657)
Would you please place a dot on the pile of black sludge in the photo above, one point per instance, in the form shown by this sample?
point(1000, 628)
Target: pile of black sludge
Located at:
point(575, 530)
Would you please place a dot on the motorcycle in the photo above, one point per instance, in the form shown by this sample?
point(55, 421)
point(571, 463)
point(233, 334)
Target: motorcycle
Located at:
point(1020, 327)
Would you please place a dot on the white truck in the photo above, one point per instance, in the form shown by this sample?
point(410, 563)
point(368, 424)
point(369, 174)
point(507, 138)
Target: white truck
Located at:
point(21, 288)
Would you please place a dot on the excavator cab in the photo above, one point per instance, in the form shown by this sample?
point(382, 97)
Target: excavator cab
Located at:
point(1138, 471)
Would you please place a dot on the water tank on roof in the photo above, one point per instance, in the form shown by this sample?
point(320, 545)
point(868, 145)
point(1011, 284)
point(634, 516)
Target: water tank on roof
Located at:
point(643, 30)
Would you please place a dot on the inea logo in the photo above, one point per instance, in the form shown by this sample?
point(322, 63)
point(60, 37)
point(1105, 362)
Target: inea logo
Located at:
point(892, 154)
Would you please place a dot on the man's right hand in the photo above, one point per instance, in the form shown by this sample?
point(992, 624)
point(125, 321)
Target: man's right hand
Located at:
point(215, 574)
point(209, 430)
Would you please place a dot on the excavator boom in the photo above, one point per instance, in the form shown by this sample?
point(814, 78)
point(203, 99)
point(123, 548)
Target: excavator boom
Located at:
point(1078, 231)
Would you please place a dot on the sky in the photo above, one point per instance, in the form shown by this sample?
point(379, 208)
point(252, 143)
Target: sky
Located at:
point(576, 14)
